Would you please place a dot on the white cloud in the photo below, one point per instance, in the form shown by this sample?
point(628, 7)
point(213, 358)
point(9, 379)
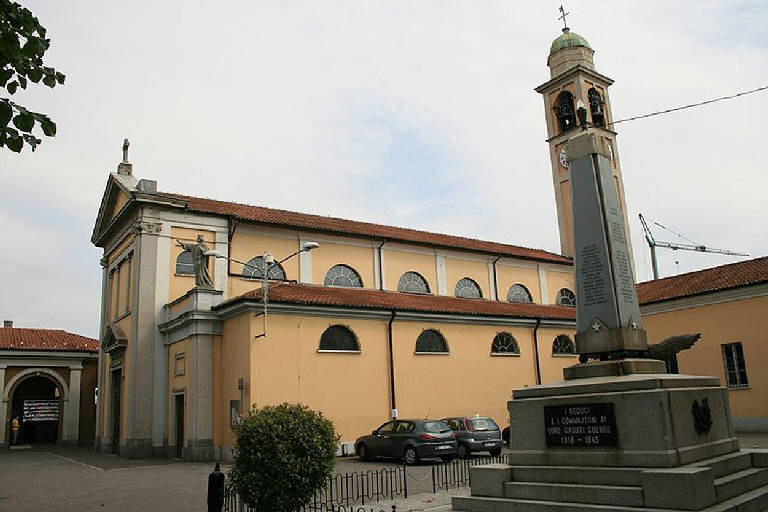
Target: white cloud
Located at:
point(410, 113)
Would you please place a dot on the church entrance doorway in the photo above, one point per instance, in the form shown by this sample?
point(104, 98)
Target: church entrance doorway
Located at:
point(115, 401)
point(36, 402)
point(179, 425)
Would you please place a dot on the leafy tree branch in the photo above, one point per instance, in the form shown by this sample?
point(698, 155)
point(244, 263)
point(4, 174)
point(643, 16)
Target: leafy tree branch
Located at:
point(22, 47)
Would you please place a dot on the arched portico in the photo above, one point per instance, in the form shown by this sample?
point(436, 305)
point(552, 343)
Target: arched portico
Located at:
point(69, 416)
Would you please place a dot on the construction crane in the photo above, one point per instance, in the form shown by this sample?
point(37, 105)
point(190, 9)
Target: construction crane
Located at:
point(653, 244)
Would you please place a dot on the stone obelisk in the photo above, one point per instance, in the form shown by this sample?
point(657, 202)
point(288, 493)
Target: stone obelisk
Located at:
point(608, 322)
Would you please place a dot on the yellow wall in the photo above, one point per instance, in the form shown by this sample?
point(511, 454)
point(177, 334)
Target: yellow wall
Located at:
point(233, 349)
point(180, 284)
point(528, 277)
point(358, 257)
point(727, 322)
point(468, 380)
point(351, 389)
point(177, 384)
point(247, 245)
point(397, 263)
point(456, 269)
point(556, 281)
point(552, 366)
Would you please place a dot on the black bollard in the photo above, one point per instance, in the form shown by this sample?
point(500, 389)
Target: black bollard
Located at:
point(216, 490)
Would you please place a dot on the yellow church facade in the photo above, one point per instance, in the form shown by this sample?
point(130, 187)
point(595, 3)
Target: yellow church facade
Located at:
point(343, 322)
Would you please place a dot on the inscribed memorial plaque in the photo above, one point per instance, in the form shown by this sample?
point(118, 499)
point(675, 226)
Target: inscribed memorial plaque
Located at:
point(580, 425)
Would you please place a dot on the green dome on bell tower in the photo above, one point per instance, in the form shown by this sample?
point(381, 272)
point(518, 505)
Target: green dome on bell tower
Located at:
point(568, 39)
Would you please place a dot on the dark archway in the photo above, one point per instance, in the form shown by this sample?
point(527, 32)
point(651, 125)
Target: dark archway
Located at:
point(37, 402)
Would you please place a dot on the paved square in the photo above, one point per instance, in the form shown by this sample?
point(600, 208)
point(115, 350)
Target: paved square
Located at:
point(63, 479)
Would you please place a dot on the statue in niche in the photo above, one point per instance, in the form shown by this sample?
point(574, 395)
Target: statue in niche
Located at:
point(198, 251)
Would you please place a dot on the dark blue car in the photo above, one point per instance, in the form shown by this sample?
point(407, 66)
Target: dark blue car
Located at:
point(409, 440)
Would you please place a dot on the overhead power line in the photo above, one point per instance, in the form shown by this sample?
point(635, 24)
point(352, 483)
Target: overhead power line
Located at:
point(714, 100)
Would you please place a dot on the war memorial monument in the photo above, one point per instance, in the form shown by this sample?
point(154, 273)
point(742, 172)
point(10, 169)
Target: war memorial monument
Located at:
point(619, 433)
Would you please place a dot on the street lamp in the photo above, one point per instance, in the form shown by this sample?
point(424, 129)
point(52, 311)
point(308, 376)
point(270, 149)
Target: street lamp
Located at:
point(269, 262)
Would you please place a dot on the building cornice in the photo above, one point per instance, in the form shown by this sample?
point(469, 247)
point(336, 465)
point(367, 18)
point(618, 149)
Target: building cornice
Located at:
point(44, 357)
point(239, 307)
point(568, 74)
point(191, 323)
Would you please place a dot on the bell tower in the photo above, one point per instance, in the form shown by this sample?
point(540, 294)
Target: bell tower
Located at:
point(574, 81)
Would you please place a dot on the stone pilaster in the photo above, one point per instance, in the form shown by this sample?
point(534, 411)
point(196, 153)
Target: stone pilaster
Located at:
point(139, 382)
point(70, 433)
point(3, 411)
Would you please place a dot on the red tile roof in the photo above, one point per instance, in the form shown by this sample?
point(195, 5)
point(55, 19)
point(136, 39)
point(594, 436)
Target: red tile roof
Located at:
point(15, 338)
point(724, 277)
point(291, 293)
point(363, 229)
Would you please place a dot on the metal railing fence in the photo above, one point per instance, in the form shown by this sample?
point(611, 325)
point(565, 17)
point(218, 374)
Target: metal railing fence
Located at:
point(457, 472)
point(343, 491)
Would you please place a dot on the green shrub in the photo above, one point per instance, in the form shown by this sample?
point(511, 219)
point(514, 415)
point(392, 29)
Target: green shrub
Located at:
point(282, 456)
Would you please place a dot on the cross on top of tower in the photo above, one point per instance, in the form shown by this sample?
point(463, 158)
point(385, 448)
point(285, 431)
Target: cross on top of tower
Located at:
point(562, 17)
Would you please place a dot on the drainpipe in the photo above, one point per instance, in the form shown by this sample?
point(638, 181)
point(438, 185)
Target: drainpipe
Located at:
point(381, 279)
point(231, 227)
point(495, 277)
point(392, 402)
point(536, 351)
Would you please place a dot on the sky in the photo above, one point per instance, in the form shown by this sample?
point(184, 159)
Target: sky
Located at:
point(416, 113)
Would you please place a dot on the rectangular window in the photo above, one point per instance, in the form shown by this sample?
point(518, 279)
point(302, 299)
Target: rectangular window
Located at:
point(127, 303)
point(109, 302)
point(116, 295)
point(735, 367)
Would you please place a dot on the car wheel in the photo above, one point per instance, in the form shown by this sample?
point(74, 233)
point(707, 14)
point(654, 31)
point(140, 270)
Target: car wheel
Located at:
point(410, 456)
point(496, 452)
point(362, 452)
point(447, 458)
point(462, 451)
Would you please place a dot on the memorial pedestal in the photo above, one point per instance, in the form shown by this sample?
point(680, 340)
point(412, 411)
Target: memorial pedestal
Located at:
point(637, 420)
point(638, 442)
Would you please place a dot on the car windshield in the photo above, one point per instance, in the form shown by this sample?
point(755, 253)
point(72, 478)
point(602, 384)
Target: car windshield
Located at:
point(435, 426)
point(483, 424)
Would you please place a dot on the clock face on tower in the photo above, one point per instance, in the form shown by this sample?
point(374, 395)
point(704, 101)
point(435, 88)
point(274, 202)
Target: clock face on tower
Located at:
point(563, 160)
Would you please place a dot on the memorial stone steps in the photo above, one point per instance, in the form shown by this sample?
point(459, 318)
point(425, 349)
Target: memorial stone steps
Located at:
point(755, 500)
point(739, 487)
point(587, 475)
point(725, 464)
point(578, 493)
point(740, 482)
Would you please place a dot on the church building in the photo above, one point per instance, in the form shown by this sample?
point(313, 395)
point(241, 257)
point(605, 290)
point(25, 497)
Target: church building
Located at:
point(211, 307)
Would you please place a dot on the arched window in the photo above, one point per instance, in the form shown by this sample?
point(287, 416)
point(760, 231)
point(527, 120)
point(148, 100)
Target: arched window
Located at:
point(519, 293)
point(565, 297)
point(565, 112)
point(184, 265)
point(431, 340)
point(596, 107)
point(504, 343)
point(563, 346)
point(255, 269)
point(468, 289)
point(342, 275)
point(412, 282)
point(338, 337)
